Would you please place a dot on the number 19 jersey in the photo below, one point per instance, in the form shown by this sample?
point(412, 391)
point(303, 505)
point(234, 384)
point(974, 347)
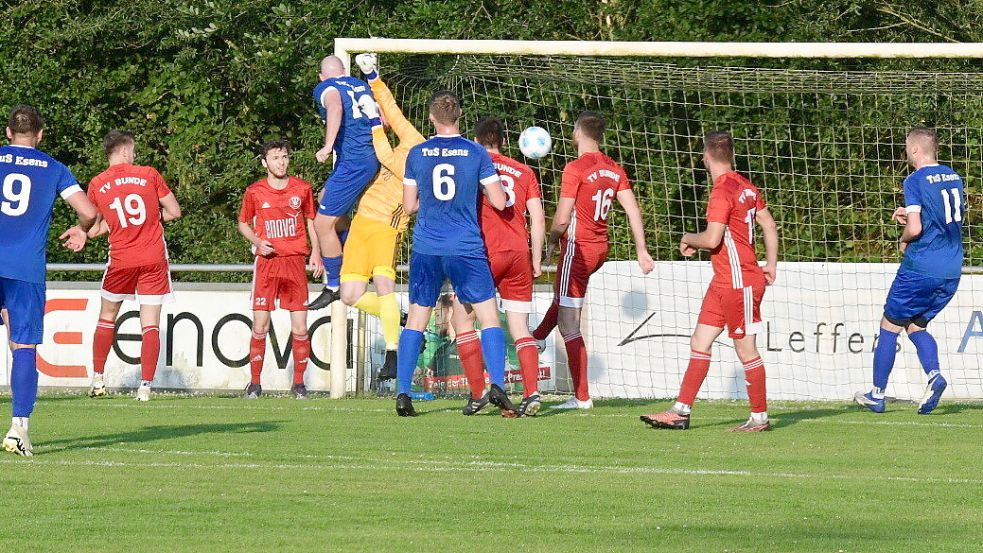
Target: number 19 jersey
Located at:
point(734, 201)
point(128, 197)
point(592, 181)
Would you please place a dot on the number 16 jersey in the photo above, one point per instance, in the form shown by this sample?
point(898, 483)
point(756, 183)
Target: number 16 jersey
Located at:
point(128, 197)
point(592, 181)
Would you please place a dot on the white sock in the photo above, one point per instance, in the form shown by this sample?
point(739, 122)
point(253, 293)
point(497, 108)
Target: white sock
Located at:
point(759, 417)
point(145, 383)
point(682, 408)
point(21, 422)
point(97, 378)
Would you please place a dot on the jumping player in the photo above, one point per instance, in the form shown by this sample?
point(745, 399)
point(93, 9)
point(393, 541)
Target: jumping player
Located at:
point(444, 176)
point(734, 296)
point(277, 219)
point(133, 201)
point(31, 181)
point(929, 273)
point(507, 244)
point(589, 185)
point(347, 107)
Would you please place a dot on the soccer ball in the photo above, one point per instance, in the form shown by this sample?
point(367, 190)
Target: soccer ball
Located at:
point(535, 142)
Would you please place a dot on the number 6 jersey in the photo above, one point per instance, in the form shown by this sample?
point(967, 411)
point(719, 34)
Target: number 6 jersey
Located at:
point(128, 197)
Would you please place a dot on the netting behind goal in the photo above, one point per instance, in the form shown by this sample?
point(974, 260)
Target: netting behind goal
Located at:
point(827, 150)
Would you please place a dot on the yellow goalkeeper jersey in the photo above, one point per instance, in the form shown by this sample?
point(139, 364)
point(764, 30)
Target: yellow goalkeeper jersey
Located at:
point(383, 199)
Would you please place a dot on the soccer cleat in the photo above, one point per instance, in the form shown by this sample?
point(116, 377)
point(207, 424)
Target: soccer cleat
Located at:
point(574, 403)
point(253, 391)
point(299, 391)
point(670, 420)
point(17, 441)
point(98, 389)
point(869, 401)
point(404, 406)
point(475, 404)
point(388, 370)
point(143, 392)
point(933, 392)
point(403, 317)
point(327, 297)
point(752, 425)
point(530, 406)
point(498, 398)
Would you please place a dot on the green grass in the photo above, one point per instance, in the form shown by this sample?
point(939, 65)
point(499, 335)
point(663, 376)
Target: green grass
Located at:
point(223, 474)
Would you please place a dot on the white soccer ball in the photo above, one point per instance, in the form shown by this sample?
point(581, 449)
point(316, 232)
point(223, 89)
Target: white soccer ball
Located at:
point(535, 142)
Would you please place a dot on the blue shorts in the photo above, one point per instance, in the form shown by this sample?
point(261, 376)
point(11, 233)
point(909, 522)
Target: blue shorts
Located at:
point(24, 302)
point(470, 275)
point(347, 182)
point(917, 299)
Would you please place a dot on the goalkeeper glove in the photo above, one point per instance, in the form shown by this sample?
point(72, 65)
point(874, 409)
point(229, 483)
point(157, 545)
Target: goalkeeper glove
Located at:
point(366, 62)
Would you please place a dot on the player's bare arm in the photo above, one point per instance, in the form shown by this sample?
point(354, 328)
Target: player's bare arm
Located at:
point(314, 264)
point(706, 240)
point(75, 237)
point(769, 229)
point(169, 208)
point(627, 200)
point(561, 220)
point(537, 233)
point(411, 199)
point(900, 215)
point(912, 230)
point(332, 104)
point(263, 247)
point(495, 194)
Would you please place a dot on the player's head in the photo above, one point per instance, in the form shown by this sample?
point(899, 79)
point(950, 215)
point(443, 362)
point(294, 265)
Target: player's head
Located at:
point(331, 66)
point(445, 108)
point(490, 133)
point(25, 125)
point(119, 146)
point(275, 156)
point(589, 129)
point(922, 146)
point(718, 148)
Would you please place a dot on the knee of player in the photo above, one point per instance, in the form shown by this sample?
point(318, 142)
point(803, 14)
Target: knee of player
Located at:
point(261, 327)
point(746, 348)
point(350, 297)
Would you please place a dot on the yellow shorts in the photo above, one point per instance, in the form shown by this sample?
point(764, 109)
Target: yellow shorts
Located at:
point(369, 251)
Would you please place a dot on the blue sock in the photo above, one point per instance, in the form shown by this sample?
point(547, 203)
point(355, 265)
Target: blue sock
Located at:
point(928, 350)
point(493, 350)
point(406, 358)
point(884, 355)
point(332, 271)
point(24, 381)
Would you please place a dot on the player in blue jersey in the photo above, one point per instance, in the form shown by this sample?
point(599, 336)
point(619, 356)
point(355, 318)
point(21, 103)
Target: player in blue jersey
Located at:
point(30, 181)
point(929, 273)
point(349, 111)
point(444, 177)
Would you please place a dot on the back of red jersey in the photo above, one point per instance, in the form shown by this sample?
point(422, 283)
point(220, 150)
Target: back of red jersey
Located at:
point(128, 197)
point(592, 180)
point(280, 216)
point(734, 201)
point(506, 230)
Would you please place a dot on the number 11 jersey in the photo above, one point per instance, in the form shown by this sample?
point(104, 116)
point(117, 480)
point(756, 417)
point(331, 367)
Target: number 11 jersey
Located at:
point(128, 197)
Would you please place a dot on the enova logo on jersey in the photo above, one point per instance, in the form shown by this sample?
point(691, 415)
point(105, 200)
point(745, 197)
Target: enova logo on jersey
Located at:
point(183, 333)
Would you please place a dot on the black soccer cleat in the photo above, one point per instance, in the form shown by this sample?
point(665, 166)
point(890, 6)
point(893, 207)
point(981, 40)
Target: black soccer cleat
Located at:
point(299, 391)
point(498, 398)
point(388, 370)
point(530, 406)
point(404, 406)
point(253, 391)
point(475, 404)
point(327, 297)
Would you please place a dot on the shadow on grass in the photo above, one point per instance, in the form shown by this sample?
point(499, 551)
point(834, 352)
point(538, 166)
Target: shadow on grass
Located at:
point(160, 432)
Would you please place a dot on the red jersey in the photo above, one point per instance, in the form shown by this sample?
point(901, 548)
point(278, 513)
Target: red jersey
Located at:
point(279, 216)
point(128, 197)
point(506, 230)
point(734, 201)
point(592, 180)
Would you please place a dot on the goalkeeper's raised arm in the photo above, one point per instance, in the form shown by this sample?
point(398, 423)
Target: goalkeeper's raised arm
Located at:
point(392, 159)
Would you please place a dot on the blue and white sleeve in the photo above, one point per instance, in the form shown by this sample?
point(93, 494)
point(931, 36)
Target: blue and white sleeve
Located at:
point(67, 183)
point(487, 173)
point(409, 178)
point(912, 195)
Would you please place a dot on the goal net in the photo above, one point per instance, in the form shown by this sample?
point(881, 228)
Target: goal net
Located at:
point(825, 147)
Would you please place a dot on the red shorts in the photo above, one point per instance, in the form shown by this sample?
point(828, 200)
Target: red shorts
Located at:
point(739, 310)
point(280, 281)
point(577, 263)
point(150, 284)
point(512, 271)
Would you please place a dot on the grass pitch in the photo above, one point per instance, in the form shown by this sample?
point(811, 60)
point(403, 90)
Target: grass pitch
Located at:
point(224, 474)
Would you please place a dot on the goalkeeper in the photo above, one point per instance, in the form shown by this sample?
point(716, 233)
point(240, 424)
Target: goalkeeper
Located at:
point(380, 221)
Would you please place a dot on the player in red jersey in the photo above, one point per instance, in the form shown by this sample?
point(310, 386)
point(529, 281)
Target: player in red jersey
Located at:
point(277, 217)
point(734, 296)
point(133, 201)
point(590, 184)
point(513, 268)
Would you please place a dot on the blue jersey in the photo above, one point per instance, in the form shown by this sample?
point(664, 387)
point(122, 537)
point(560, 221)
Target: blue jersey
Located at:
point(936, 191)
point(448, 172)
point(30, 180)
point(354, 140)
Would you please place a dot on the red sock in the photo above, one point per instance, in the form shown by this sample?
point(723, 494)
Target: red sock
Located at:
point(577, 361)
point(257, 352)
point(301, 349)
point(528, 353)
point(149, 352)
point(548, 323)
point(696, 373)
point(469, 351)
point(102, 342)
point(754, 376)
